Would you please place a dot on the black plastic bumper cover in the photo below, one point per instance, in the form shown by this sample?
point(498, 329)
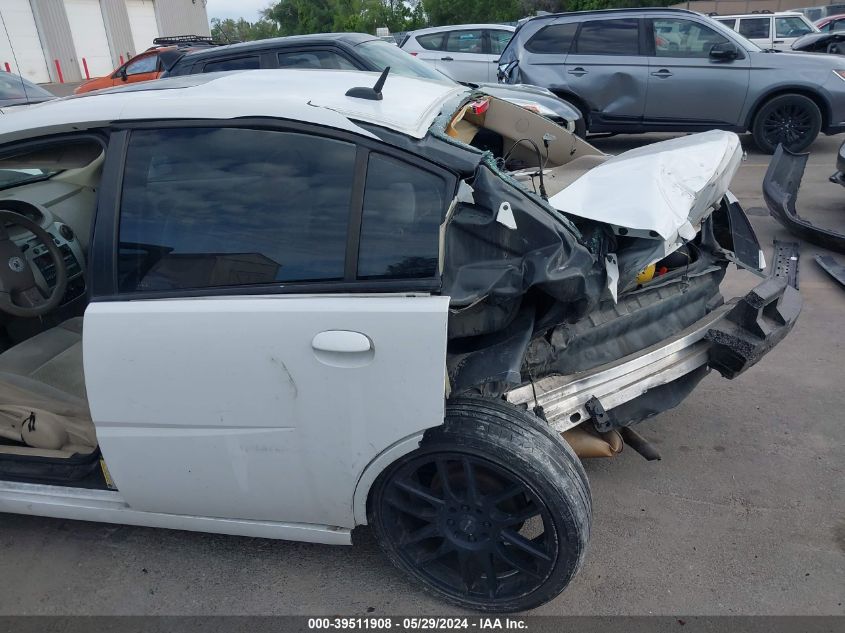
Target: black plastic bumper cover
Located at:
point(780, 189)
point(757, 322)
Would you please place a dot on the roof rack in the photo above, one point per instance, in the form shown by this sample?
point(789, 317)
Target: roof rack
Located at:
point(178, 40)
point(762, 11)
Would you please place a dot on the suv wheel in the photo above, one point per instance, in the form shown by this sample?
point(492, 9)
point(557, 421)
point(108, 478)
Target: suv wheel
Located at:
point(492, 512)
point(792, 120)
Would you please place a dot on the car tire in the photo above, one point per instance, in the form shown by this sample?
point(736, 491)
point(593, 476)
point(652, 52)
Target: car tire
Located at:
point(791, 119)
point(491, 513)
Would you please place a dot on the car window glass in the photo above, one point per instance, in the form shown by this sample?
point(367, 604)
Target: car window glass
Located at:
point(729, 22)
point(555, 38)
point(403, 209)
point(839, 25)
point(791, 27)
point(465, 42)
point(381, 55)
point(755, 28)
point(684, 38)
point(146, 64)
point(238, 63)
point(205, 207)
point(609, 37)
point(432, 41)
point(326, 60)
point(499, 40)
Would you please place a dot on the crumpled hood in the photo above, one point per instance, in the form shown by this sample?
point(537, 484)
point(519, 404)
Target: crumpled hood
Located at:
point(663, 189)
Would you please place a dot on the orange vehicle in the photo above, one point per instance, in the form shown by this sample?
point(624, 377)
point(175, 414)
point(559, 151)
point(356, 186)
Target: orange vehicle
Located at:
point(147, 65)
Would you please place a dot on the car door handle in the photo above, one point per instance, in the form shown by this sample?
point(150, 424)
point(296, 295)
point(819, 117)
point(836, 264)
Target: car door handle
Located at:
point(447, 59)
point(778, 42)
point(663, 73)
point(343, 348)
point(577, 71)
point(342, 342)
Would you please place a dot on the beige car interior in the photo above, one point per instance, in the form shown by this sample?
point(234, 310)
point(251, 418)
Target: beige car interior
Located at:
point(566, 159)
point(43, 404)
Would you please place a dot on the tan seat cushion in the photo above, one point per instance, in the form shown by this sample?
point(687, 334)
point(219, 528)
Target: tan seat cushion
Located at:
point(42, 392)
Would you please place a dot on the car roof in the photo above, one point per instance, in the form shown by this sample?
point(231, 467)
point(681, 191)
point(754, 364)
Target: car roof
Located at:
point(409, 105)
point(462, 27)
point(611, 12)
point(765, 14)
point(829, 18)
point(275, 42)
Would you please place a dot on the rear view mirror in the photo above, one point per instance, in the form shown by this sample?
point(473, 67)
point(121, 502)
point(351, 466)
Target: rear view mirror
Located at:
point(122, 73)
point(724, 52)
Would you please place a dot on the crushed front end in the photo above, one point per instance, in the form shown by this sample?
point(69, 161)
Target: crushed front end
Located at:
point(599, 301)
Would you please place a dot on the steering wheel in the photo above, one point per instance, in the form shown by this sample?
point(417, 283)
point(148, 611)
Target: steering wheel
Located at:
point(20, 296)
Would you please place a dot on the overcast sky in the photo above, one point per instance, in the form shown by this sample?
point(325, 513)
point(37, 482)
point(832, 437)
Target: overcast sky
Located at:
point(247, 9)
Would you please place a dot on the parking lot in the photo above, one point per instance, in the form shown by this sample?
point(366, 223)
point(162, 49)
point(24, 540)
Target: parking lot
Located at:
point(745, 514)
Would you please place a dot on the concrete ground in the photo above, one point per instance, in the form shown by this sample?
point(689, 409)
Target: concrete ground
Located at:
point(745, 514)
point(63, 89)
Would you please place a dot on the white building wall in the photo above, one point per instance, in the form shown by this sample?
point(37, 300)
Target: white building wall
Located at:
point(20, 46)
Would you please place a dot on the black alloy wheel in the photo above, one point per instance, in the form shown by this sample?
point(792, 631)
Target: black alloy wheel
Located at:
point(793, 121)
point(478, 528)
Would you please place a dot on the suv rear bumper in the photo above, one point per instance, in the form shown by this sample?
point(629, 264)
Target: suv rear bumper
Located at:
point(730, 339)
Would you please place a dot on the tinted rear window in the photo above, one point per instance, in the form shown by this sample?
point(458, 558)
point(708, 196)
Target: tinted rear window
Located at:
point(755, 28)
point(238, 63)
point(609, 37)
point(432, 41)
point(555, 38)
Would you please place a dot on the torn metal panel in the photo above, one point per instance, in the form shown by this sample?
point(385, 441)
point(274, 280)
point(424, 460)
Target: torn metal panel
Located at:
point(486, 258)
point(658, 191)
point(832, 268)
point(780, 189)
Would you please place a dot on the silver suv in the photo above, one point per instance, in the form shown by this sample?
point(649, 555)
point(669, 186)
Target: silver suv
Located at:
point(648, 70)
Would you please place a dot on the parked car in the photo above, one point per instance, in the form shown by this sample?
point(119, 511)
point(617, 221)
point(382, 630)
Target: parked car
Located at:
point(465, 52)
point(831, 43)
point(147, 65)
point(831, 23)
point(769, 30)
point(15, 91)
point(357, 51)
point(395, 327)
point(646, 70)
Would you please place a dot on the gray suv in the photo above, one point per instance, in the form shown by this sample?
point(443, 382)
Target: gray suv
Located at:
point(652, 70)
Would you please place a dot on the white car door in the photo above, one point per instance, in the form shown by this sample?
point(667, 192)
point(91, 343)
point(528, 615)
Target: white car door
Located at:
point(464, 58)
point(269, 327)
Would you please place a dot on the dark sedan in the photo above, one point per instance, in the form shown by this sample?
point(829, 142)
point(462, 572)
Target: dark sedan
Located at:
point(355, 51)
point(16, 91)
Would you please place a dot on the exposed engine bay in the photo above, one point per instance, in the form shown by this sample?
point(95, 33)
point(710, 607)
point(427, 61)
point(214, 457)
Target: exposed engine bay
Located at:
point(600, 258)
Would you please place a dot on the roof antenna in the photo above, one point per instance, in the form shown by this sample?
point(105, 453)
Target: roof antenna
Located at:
point(374, 93)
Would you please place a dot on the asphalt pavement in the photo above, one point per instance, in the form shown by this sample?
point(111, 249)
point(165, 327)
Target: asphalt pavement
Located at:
point(745, 514)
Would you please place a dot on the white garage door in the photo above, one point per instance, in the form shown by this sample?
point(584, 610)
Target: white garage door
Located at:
point(89, 36)
point(23, 39)
point(142, 20)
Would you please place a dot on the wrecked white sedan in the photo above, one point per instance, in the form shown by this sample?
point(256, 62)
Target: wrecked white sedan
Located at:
point(287, 303)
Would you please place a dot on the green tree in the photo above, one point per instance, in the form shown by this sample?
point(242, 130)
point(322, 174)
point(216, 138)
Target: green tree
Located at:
point(228, 30)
